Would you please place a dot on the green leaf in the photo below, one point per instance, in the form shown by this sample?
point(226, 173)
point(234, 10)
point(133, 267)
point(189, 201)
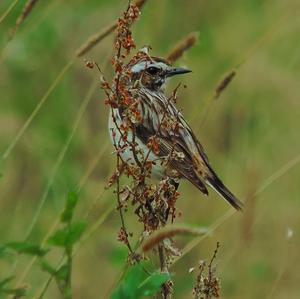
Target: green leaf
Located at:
point(63, 272)
point(119, 293)
point(128, 287)
point(75, 232)
point(67, 292)
point(133, 278)
point(59, 238)
point(152, 284)
point(137, 284)
point(27, 248)
point(71, 203)
point(60, 274)
point(45, 266)
point(68, 236)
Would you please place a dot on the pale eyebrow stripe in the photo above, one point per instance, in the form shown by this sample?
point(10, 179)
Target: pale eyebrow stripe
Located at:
point(142, 65)
point(138, 67)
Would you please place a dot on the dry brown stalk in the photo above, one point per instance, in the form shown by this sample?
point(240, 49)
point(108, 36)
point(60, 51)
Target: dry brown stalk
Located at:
point(170, 231)
point(224, 83)
point(95, 39)
point(207, 285)
point(250, 203)
point(166, 288)
point(182, 47)
point(28, 7)
point(99, 36)
point(161, 251)
point(140, 3)
point(153, 204)
point(124, 44)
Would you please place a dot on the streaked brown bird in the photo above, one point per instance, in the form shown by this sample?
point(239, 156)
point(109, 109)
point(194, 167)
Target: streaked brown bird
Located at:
point(178, 152)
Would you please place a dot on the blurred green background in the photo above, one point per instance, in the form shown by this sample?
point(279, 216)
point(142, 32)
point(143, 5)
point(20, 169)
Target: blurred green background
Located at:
point(250, 133)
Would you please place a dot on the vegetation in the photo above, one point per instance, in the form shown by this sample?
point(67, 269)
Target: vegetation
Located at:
point(59, 225)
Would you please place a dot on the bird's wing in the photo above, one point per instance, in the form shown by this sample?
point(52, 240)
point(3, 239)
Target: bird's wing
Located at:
point(156, 115)
point(182, 166)
point(191, 161)
point(205, 170)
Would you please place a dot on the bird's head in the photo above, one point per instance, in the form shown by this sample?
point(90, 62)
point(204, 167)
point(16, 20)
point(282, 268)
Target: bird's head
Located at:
point(152, 72)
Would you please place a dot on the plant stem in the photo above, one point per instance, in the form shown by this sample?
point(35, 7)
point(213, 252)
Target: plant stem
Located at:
point(120, 206)
point(68, 289)
point(163, 268)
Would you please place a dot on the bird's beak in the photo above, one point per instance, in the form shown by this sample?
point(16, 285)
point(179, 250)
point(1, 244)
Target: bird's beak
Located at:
point(177, 71)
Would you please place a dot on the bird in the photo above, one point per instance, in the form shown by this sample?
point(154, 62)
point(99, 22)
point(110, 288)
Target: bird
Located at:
point(147, 114)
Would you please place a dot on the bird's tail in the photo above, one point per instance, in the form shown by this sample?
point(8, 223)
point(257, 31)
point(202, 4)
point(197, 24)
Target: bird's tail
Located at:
point(214, 182)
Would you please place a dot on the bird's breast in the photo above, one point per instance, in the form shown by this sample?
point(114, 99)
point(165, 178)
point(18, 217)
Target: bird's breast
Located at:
point(131, 143)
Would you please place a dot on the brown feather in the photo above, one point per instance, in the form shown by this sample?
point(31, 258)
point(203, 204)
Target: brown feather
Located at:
point(193, 163)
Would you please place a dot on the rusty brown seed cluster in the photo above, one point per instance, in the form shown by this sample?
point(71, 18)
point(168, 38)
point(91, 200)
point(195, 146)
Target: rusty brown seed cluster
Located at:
point(207, 283)
point(154, 204)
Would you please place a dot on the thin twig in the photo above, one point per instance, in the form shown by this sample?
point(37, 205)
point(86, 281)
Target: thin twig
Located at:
point(61, 156)
point(31, 26)
point(24, 274)
point(28, 7)
point(102, 34)
point(47, 283)
point(82, 182)
point(9, 9)
point(140, 241)
point(93, 164)
point(86, 236)
point(38, 107)
point(120, 208)
point(163, 267)
point(51, 179)
point(95, 39)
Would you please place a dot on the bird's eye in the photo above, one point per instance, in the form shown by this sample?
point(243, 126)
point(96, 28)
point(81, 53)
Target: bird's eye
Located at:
point(152, 70)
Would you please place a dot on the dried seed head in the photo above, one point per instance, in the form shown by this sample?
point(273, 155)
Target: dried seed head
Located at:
point(224, 83)
point(89, 64)
point(182, 47)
